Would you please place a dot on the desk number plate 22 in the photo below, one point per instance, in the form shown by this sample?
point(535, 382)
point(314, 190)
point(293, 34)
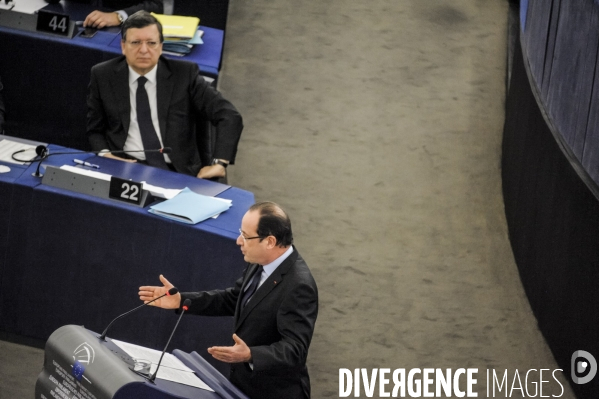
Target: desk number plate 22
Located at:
point(125, 190)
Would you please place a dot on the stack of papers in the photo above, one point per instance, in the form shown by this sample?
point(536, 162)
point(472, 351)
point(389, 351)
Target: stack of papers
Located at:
point(180, 33)
point(189, 207)
point(180, 47)
point(171, 368)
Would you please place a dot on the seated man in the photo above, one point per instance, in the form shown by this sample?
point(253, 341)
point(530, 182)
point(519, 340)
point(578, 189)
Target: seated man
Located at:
point(98, 19)
point(143, 101)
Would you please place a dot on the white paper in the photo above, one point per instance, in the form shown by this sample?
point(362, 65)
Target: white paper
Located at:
point(166, 193)
point(140, 352)
point(230, 202)
point(181, 377)
point(28, 6)
point(87, 172)
point(171, 368)
point(9, 147)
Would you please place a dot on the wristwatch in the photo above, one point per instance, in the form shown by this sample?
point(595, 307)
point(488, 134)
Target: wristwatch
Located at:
point(120, 17)
point(219, 162)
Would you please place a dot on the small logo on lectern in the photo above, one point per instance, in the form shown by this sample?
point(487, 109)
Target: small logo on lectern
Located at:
point(83, 356)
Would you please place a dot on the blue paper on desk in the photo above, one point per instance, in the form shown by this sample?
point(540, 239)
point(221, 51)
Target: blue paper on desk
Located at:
point(189, 207)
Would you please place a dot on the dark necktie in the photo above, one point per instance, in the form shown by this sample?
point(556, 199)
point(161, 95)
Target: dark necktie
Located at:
point(149, 137)
point(252, 287)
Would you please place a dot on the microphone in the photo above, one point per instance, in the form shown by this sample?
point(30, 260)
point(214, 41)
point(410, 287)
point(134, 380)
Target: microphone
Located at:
point(44, 153)
point(184, 307)
point(170, 292)
point(41, 150)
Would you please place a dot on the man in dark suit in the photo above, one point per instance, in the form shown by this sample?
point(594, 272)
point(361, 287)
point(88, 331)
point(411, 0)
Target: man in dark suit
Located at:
point(273, 323)
point(101, 19)
point(142, 100)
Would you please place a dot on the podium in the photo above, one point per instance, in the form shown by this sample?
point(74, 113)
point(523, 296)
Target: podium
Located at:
point(77, 364)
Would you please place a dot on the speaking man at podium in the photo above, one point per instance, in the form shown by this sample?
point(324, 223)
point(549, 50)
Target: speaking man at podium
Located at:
point(274, 306)
point(144, 101)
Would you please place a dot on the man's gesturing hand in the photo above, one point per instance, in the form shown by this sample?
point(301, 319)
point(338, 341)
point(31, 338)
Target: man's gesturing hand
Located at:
point(238, 353)
point(147, 293)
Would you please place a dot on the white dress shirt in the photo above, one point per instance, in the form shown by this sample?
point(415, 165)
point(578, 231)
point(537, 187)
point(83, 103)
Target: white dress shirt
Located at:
point(134, 142)
point(267, 270)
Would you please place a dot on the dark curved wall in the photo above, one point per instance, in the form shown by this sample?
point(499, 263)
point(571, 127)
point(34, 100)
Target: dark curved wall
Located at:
point(561, 45)
point(549, 166)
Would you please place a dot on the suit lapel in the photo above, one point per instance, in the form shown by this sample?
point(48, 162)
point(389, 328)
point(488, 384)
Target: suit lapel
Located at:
point(265, 289)
point(120, 88)
point(164, 90)
point(248, 276)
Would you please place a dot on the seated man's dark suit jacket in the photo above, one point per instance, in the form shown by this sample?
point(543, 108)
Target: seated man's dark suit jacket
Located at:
point(129, 6)
point(277, 324)
point(132, 6)
point(182, 95)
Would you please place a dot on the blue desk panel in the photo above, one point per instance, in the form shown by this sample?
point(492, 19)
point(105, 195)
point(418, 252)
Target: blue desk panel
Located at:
point(6, 195)
point(70, 258)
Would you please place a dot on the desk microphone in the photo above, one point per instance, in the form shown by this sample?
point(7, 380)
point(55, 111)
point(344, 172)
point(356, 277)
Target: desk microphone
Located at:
point(170, 292)
point(184, 307)
point(43, 153)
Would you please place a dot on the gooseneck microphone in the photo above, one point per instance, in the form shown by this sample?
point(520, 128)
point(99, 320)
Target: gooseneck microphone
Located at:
point(170, 292)
point(184, 308)
point(43, 153)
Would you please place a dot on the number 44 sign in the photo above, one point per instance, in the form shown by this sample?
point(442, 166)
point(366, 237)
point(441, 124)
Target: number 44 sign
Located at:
point(52, 22)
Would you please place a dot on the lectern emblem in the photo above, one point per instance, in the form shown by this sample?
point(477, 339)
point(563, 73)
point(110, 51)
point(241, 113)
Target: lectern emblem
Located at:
point(83, 356)
point(84, 353)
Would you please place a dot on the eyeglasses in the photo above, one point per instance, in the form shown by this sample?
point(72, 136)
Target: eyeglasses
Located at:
point(247, 238)
point(149, 43)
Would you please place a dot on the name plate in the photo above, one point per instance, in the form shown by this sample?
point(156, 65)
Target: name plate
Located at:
point(125, 190)
point(113, 189)
point(53, 22)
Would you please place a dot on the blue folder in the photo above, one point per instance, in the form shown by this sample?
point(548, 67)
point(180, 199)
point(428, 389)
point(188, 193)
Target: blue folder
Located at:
point(189, 207)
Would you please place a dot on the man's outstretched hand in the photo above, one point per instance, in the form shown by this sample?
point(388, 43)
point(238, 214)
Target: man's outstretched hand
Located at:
point(147, 293)
point(238, 353)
